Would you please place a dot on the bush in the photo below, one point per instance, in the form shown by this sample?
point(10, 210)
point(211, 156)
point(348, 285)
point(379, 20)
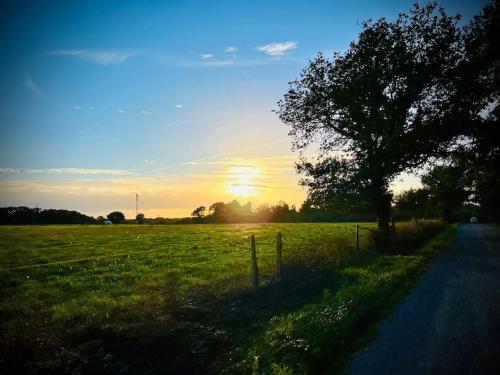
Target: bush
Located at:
point(116, 217)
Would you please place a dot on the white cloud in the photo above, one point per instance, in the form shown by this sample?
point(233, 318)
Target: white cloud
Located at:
point(206, 56)
point(144, 112)
point(121, 111)
point(8, 170)
point(77, 107)
point(278, 49)
point(150, 161)
point(230, 49)
point(77, 171)
point(101, 57)
point(178, 106)
point(31, 85)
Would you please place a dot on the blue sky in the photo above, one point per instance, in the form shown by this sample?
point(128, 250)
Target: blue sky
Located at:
point(101, 100)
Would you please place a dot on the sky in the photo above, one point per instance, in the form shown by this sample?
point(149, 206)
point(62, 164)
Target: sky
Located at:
point(172, 100)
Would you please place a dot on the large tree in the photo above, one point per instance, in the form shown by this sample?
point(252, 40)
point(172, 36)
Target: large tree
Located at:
point(377, 110)
point(447, 187)
point(116, 217)
point(199, 212)
point(413, 202)
point(477, 108)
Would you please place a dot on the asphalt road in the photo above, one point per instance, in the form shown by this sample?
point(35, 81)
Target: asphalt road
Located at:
point(450, 323)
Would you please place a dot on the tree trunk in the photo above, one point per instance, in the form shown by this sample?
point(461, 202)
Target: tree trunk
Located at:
point(384, 215)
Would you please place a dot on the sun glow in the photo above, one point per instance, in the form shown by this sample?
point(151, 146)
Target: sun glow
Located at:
point(242, 181)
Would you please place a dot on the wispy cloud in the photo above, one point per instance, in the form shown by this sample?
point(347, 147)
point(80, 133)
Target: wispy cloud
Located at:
point(31, 86)
point(9, 170)
point(178, 123)
point(228, 63)
point(101, 57)
point(213, 157)
point(219, 63)
point(230, 49)
point(77, 107)
point(178, 106)
point(274, 164)
point(145, 112)
point(278, 49)
point(72, 171)
point(206, 56)
point(121, 111)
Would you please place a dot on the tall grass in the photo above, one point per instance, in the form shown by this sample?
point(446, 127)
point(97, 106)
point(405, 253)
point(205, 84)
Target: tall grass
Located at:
point(178, 298)
point(319, 336)
point(410, 235)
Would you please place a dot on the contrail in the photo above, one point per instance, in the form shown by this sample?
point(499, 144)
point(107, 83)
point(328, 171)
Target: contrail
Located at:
point(214, 156)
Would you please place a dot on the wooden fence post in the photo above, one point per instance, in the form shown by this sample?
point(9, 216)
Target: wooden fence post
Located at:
point(255, 270)
point(279, 254)
point(357, 238)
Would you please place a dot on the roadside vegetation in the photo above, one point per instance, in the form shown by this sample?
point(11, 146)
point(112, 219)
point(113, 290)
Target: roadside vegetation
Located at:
point(149, 298)
point(320, 336)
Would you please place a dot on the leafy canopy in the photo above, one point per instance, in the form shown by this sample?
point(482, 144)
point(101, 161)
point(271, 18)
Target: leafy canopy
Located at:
point(376, 110)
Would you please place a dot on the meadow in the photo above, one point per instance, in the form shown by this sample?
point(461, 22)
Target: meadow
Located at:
point(140, 298)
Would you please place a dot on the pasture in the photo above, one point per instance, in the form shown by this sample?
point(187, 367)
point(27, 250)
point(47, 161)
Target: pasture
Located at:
point(136, 298)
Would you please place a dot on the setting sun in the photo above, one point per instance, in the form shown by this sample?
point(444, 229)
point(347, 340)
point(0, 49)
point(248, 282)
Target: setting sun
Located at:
point(242, 181)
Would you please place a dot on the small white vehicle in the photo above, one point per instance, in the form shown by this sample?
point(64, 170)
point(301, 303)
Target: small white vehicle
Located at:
point(474, 220)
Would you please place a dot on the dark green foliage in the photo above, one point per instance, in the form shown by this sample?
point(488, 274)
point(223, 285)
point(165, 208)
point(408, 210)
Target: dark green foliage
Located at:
point(116, 217)
point(234, 212)
point(377, 110)
point(319, 337)
point(476, 104)
point(477, 109)
point(413, 203)
point(280, 213)
point(139, 218)
point(199, 212)
point(25, 215)
point(447, 188)
point(487, 191)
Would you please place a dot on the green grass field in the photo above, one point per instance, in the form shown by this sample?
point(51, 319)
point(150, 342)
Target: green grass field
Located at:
point(148, 298)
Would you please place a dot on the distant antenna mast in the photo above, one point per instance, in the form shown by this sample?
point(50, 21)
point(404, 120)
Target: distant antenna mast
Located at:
point(136, 204)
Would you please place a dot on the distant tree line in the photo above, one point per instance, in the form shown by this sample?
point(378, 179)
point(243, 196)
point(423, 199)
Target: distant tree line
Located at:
point(447, 192)
point(235, 212)
point(25, 215)
point(453, 192)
